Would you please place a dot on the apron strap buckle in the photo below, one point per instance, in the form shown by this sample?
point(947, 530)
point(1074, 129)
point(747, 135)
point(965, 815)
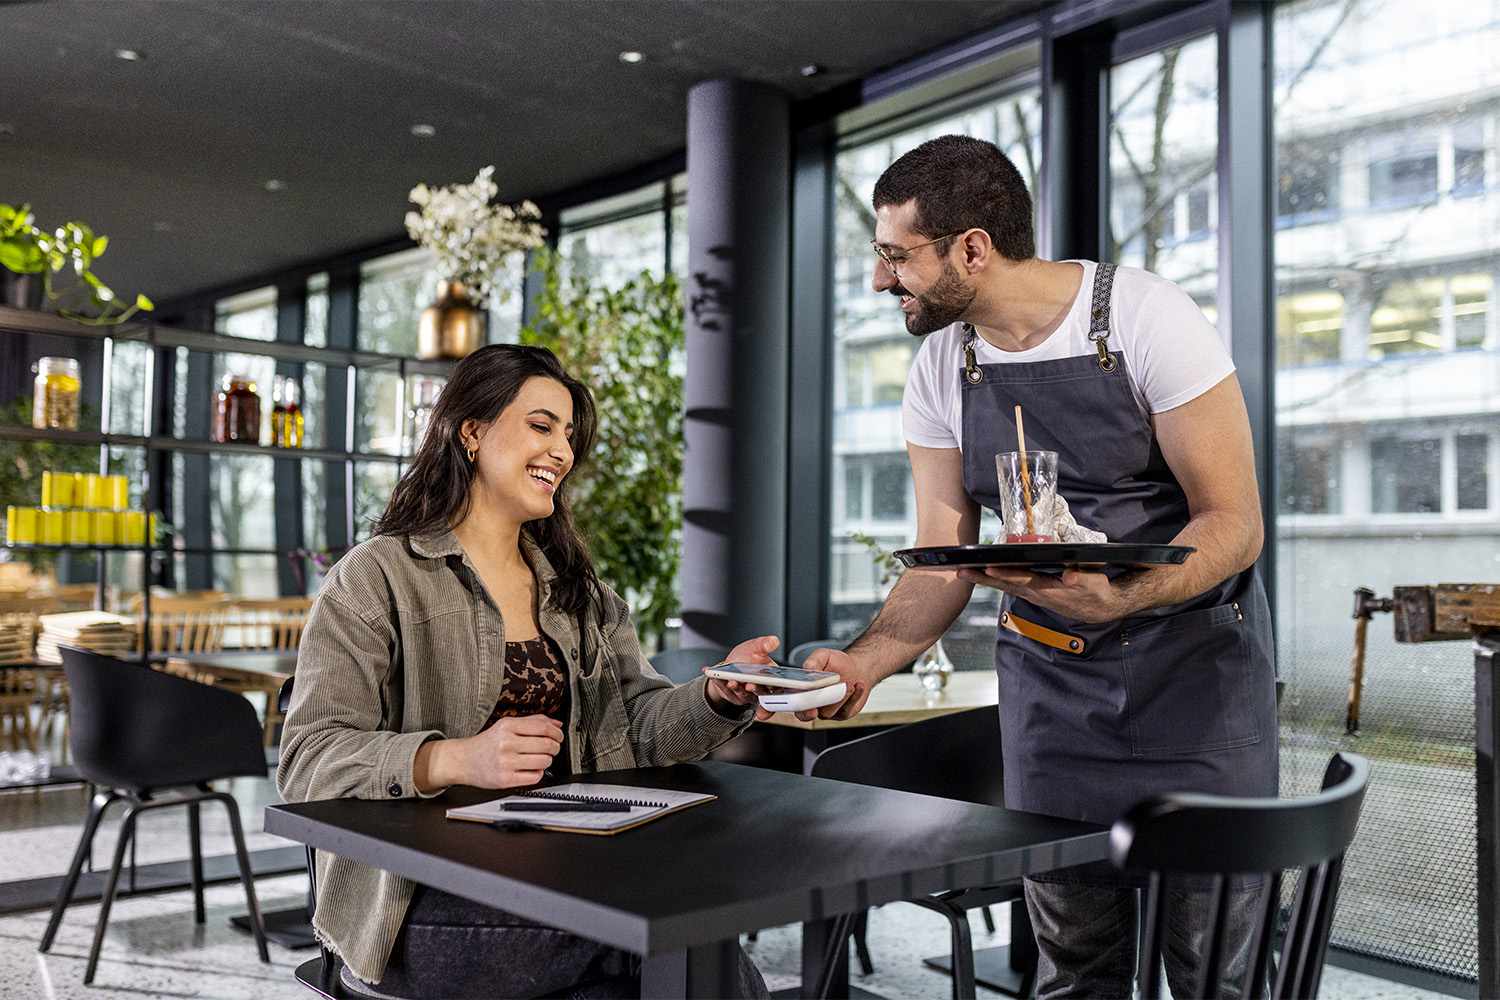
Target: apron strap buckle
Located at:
point(971, 367)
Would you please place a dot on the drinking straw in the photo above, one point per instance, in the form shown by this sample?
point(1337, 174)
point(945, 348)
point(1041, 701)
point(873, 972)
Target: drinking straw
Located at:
point(1025, 472)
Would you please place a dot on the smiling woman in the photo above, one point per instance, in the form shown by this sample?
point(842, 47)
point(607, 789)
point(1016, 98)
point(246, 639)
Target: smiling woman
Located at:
point(478, 589)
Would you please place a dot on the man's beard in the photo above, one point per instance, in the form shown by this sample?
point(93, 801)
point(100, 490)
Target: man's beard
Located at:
point(941, 305)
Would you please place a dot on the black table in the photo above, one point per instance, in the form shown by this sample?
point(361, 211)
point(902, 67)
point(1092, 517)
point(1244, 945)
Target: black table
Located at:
point(775, 848)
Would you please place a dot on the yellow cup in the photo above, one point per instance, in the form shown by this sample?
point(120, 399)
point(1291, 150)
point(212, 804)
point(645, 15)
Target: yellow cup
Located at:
point(54, 527)
point(133, 527)
point(58, 489)
point(80, 527)
point(20, 525)
point(106, 527)
point(94, 493)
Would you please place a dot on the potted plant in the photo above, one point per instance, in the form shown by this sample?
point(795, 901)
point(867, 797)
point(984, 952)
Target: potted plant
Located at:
point(27, 250)
point(470, 239)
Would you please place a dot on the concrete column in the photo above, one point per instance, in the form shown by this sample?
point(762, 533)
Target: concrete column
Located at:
point(1359, 306)
point(738, 347)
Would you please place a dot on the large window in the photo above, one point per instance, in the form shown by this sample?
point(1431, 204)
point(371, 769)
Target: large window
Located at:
point(610, 241)
point(1163, 152)
point(1387, 422)
point(872, 510)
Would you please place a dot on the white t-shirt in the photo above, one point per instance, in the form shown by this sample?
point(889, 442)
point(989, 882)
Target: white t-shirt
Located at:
point(1172, 353)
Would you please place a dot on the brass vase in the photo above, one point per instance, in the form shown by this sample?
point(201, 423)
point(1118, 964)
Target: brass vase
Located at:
point(452, 327)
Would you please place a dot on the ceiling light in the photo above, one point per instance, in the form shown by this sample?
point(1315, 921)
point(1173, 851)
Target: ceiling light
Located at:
point(274, 185)
point(631, 56)
point(129, 55)
point(811, 69)
point(424, 131)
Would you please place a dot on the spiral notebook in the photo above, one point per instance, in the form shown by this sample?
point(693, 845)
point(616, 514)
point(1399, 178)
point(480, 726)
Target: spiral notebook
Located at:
point(646, 804)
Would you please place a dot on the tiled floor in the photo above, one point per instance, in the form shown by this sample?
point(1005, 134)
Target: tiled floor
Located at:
point(153, 949)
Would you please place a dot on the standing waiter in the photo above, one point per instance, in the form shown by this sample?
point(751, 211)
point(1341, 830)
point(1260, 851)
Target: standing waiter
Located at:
point(1120, 373)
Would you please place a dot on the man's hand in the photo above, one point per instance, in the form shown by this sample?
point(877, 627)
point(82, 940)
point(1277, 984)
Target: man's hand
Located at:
point(1080, 596)
point(729, 697)
point(858, 679)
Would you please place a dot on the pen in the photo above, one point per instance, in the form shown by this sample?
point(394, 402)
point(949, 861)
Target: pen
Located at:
point(553, 805)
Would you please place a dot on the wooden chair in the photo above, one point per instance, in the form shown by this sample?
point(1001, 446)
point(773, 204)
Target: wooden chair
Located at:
point(185, 625)
point(20, 689)
point(271, 623)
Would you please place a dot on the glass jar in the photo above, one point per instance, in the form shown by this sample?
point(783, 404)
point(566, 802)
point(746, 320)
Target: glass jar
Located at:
point(54, 404)
point(424, 396)
point(237, 416)
point(286, 413)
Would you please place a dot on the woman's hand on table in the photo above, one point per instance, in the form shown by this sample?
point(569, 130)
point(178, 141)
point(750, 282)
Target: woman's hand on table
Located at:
point(728, 697)
point(512, 753)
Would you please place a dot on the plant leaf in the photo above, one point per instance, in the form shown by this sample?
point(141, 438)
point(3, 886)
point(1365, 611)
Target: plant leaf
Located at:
point(99, 244)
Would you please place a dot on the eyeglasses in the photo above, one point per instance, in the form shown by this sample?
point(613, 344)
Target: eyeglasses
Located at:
point(901, 256)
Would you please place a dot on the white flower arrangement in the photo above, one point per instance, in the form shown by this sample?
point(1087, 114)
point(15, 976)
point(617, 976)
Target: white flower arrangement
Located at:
point(469, 236)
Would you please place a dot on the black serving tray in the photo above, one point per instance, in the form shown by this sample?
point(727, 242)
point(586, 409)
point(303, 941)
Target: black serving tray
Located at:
point(1044, 557)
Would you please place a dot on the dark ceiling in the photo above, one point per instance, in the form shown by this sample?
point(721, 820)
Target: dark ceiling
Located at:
point(169, 155)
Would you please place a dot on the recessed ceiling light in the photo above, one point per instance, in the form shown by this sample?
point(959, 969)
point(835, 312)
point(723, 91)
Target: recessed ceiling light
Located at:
point(424, 131)
point(129, 55)
point(275, 185)
point(631, 56)
point(811, 69)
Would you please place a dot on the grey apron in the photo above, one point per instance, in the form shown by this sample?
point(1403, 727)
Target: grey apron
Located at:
point(1180, 699)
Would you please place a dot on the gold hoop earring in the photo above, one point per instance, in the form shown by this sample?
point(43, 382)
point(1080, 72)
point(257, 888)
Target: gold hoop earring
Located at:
point(470, 452)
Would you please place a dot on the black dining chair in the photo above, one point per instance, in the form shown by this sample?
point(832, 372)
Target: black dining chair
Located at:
point(954, 756)
point(153, 741)
point(683, 665)
point(1176, 836)
point(802, 650)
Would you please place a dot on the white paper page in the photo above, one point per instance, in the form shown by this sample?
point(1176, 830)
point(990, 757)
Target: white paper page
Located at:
point(645, 802)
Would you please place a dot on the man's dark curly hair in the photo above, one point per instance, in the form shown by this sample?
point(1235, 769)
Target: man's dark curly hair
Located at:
point(962, 183)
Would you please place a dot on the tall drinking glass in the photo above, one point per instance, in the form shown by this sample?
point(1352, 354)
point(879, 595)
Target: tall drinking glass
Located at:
point(1028, 481)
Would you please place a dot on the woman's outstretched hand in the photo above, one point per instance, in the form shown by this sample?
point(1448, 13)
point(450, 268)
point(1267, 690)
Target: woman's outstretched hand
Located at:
point(731, 696)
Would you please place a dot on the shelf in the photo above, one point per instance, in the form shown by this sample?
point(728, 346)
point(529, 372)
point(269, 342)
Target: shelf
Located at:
point(161, 443)
point(33, 321)
point(12, 432)
point(321, 454)
point(44, 547)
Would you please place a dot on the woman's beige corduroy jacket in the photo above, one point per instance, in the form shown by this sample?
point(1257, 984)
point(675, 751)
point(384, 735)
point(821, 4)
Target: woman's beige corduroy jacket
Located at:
point(404, 646)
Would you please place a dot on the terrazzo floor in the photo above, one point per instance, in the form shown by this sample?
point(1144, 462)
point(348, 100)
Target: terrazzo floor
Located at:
point(153, 948)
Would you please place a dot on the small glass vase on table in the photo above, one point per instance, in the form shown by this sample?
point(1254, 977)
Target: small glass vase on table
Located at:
point(933, 668)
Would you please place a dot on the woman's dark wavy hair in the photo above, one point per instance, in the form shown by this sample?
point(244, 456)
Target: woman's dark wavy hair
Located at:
point(433, 494)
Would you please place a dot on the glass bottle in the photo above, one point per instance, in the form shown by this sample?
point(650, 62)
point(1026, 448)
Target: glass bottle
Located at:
point(237, 416)
point(286, 413)
point(424, 396)
point(54, 404)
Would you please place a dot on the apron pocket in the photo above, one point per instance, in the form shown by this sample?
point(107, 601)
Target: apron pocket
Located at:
point(1187, 683)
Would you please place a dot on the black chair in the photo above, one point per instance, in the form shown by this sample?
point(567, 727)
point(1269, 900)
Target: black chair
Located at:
point(683, 665)
point(802, 650)
point(154, 741)
point(1206, 835)
point(953, 756)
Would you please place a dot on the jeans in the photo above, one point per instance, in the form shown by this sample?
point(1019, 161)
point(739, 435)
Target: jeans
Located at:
point(1086, 937)
point(453, 949)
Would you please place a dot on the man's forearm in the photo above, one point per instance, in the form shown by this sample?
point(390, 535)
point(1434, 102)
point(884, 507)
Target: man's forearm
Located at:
point(916, 614)
point(1226, 545)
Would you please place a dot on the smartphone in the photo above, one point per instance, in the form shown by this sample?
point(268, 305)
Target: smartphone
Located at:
point(774, 675)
